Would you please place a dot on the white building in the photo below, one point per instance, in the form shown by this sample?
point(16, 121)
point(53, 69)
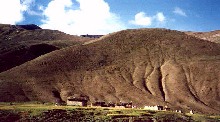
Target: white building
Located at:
point(155, 108)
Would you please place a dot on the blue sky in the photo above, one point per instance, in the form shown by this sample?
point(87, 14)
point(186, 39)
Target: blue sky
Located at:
point(105, 16)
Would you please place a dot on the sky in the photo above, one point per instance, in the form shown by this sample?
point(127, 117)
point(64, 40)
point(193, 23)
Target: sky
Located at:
point(77, 17)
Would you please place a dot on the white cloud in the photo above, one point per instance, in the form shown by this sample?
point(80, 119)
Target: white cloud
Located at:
point(41, 8)
point(179, 11)
point(26, 4)
point(160, 17)
point(11, 11)
point(34, 13)
point(143, 20)
point(90, 17)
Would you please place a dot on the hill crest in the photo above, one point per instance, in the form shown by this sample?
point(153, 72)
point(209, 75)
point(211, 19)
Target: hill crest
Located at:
point(22, 43)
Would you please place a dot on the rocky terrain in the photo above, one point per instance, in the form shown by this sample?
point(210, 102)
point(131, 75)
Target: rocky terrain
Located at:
point(213, 36)
point(146, 66)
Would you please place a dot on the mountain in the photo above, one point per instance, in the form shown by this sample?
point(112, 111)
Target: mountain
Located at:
point(213, 36)
point(146, 66)
point(22, 43)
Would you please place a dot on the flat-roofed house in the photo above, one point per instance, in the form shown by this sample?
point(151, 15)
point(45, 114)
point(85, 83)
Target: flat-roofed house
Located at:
point(77, 100)
point(100, 104)
point(124, 105)
point(155, 108)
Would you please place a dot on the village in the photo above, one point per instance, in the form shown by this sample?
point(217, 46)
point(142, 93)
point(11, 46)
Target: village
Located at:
point(80, 100)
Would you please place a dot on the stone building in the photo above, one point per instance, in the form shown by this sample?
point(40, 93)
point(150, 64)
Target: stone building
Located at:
point(124, 105)
point(77, 100)
point(99, 104)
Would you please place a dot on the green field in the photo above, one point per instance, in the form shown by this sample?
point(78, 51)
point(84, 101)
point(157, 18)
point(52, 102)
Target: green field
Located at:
point(10, 112)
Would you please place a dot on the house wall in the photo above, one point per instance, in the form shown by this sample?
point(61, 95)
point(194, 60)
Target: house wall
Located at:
point(119, 106)
point(75, 103)
point(155, 108)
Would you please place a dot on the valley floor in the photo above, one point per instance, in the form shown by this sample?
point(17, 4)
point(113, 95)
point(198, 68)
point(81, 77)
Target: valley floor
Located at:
point(10, 112)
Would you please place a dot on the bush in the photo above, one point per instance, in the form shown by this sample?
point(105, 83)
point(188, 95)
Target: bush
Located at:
point(171, 117)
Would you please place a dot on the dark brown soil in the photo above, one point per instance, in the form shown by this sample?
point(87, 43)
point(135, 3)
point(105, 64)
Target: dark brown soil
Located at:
point(22, 43)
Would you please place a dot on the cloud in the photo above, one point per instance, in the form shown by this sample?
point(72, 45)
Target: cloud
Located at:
point(11, 11)
point(26, 4)
point(29, 5)
point(81, 17)
point(160, 17)
point(40, 8)
point(179, 11)
point(142, 19)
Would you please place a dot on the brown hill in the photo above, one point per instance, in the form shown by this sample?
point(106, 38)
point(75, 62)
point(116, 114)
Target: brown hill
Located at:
point(213, 36)
point(146, 66)
point(21, 43)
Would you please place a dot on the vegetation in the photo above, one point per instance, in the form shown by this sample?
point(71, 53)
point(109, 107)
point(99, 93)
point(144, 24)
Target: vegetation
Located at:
point(48, 112)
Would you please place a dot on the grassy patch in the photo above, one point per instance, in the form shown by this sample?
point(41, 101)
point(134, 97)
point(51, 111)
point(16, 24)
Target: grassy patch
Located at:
point(205, 118)
point(49, 112)
point(171, 117)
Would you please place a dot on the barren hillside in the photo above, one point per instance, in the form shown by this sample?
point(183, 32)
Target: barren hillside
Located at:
point(146, 66)
point(21, 43)
point(213, 36)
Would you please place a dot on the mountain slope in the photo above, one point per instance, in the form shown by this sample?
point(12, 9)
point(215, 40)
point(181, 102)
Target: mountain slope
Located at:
point(213, 36)
point(21, 43)
point(146, 66)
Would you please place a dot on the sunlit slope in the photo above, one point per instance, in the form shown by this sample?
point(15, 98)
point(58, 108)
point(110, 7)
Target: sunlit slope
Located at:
point(213, 36)
point(146, 66)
